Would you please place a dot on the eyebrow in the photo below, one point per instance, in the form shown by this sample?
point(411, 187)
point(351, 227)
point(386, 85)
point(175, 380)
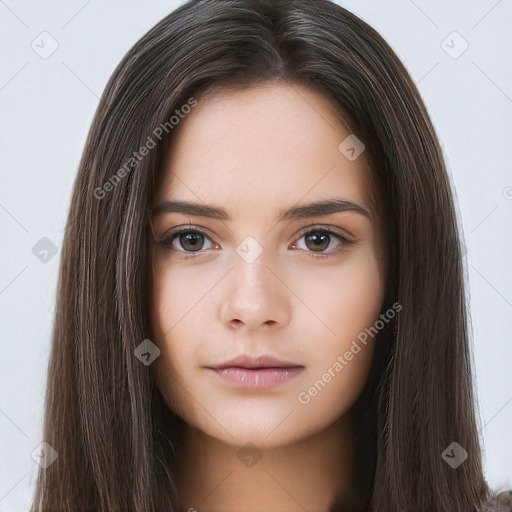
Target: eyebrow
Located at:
point(314, 209)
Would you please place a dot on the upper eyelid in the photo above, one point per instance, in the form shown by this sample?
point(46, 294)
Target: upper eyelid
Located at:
point(176, 230)
point(326, 227)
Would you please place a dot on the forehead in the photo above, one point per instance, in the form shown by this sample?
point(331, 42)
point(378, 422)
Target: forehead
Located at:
point(262, 148)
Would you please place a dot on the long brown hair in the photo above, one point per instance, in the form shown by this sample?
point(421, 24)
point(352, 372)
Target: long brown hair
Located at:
point(104, 415)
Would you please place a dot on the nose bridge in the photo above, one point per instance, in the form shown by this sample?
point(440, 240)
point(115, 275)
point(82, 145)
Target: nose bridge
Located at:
point(254, 296)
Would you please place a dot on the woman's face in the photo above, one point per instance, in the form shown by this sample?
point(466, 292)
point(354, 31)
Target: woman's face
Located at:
point(254, 280)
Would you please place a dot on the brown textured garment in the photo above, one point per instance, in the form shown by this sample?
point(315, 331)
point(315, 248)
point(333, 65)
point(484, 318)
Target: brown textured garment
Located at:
point(501, 502)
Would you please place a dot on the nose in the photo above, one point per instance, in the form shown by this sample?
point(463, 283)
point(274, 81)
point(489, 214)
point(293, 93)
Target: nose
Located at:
point(255, 296)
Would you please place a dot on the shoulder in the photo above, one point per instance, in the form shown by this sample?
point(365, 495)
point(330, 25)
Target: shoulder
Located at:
point(500, 502)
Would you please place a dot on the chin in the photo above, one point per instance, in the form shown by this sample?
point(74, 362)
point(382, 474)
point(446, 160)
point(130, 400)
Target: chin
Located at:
point(263, 428)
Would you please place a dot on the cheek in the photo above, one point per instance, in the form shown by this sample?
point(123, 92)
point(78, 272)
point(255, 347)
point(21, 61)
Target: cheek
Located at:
point(177, 291)
point(349, 303)
point(346, 298)
point(179, 304)
point(175, 325)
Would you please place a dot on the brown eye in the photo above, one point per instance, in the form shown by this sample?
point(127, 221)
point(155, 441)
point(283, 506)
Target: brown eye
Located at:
point(191, 241)
point(186, 241)
point(317, 240)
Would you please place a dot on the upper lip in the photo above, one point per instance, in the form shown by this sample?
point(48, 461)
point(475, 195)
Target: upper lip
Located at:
point(264, 361)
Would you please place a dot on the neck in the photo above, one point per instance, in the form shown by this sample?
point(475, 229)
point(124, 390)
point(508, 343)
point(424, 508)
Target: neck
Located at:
point(305, 475)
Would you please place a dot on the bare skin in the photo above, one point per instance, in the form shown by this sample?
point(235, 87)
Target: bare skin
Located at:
point(257, 152)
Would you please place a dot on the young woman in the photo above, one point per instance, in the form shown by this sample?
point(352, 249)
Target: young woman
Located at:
point(261, 301)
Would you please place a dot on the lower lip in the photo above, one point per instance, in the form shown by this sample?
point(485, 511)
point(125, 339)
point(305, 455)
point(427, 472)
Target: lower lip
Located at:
point(259, 378)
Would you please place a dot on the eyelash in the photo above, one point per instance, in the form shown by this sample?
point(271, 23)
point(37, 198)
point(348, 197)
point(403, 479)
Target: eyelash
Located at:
point(169, 237)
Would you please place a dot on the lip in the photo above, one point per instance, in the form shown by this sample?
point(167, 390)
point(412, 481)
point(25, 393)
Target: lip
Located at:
point(251, 362)
point(259, 372)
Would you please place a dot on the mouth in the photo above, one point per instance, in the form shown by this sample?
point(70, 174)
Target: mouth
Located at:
point(257, 372)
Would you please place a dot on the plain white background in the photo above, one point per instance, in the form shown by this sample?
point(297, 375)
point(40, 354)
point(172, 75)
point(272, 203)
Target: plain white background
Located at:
point(47, 105)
